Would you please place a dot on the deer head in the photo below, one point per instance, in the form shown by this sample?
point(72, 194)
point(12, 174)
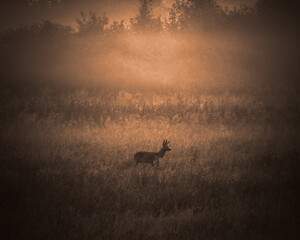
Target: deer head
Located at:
point(166, 145)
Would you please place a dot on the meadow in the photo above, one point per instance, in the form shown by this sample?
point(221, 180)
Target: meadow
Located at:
point(68, 170)
point(73, 116)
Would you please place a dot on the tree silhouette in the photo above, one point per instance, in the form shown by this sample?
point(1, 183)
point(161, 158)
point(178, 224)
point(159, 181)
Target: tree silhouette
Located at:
point(117, 27)
point(144, 21)
point(177, 15)
point(195, 13)
point(37, 31)
point(43, 3)
point(91, 24)
point(241, 17)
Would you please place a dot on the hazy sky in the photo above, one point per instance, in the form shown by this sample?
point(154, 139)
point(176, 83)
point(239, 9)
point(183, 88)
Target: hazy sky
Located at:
point(231, 3)
point(15, 14)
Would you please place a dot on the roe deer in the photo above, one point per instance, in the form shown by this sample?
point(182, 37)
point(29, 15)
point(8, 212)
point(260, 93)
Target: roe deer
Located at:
point(150, 157)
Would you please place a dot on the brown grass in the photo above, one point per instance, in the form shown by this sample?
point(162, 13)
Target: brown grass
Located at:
point(68, 170)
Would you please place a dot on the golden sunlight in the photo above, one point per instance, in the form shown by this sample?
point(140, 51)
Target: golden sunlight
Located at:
point(153, 57)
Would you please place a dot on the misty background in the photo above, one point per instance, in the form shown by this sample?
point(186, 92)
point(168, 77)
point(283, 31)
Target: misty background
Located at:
point(132, 42)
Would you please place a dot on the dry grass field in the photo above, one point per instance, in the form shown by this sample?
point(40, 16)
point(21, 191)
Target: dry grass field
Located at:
point(68, 169)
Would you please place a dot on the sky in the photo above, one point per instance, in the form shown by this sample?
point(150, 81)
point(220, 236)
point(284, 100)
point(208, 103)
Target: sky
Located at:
point(232, 3)
point(15, 14)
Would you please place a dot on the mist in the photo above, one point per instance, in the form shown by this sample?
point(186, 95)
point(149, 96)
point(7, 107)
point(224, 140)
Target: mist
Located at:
point(149, 119)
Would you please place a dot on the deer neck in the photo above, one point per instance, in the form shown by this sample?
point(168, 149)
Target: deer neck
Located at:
point(161, 153)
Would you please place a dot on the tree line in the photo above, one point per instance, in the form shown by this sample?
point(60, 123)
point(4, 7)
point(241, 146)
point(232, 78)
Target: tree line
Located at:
point(183, 15)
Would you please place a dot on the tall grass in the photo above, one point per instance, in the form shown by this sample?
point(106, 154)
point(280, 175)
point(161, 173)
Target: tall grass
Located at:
point(68, 172)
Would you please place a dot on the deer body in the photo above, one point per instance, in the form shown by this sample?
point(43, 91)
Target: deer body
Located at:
point(151, 157)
